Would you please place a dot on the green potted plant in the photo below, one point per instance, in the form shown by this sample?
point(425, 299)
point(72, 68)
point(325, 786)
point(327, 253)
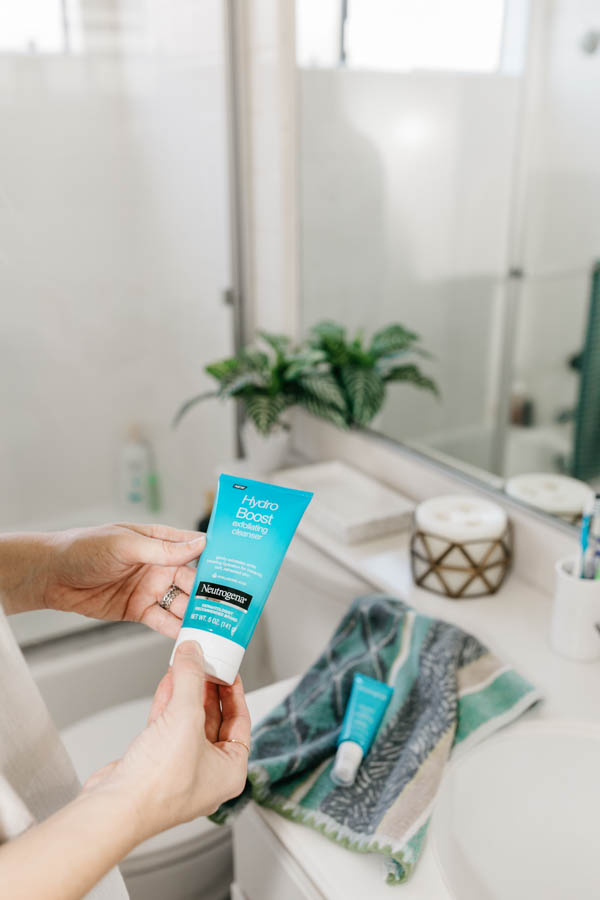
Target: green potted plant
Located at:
point(339, 380)
point(268, 380)
point(363, 368)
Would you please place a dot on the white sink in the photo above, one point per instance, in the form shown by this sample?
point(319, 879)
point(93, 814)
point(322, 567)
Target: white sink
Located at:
point(517, 817)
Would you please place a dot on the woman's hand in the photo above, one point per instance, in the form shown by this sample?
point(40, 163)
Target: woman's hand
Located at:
point(114, 572)
point(180, 767)
point(184, 764)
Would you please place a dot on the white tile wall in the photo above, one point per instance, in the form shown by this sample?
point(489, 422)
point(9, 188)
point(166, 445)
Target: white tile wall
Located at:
point(114, 248)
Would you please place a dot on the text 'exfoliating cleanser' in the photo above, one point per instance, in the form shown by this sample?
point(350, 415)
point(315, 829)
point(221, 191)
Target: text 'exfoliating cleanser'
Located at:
point(250, 529)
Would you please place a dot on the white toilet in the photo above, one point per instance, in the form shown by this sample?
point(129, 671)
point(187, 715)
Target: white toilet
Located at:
point(190, 862)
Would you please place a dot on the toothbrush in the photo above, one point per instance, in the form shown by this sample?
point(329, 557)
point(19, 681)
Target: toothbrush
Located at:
point(585, 538)
point(591, 559)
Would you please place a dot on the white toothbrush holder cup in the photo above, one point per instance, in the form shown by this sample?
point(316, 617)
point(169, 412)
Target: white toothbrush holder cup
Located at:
point(576, 613)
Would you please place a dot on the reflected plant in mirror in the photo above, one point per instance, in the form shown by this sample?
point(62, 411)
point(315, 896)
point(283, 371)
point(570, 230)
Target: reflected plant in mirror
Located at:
point(363, 368)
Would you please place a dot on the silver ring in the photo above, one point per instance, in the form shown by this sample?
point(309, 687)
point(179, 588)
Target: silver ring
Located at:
point(169, 597)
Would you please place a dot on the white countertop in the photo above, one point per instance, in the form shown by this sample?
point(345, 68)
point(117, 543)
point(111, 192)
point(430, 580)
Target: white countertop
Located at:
point(515, 624)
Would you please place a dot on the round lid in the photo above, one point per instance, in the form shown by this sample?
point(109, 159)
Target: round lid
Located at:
point(222, 657)
point(557, 494)
point(347, 762)
point(461, 518)
point(94, 741)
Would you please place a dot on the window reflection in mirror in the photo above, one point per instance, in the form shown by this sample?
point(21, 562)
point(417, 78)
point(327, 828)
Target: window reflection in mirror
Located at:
point(449, 179)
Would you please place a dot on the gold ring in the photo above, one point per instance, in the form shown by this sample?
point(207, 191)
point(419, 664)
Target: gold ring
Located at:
point(236, 741)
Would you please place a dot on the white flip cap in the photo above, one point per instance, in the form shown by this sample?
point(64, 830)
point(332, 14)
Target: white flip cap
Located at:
point(222, 657)
point(347, 761)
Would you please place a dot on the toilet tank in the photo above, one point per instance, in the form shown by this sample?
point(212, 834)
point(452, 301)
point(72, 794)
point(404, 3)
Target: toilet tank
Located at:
point(311, 594)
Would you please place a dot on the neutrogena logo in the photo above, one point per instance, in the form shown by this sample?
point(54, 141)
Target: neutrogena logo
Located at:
point(224, 594)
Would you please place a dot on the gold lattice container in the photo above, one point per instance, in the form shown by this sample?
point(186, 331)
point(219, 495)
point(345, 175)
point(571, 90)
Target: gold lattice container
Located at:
point(460, 570)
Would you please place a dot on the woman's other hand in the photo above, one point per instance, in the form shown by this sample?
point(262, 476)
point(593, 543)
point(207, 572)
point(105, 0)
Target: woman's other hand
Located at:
point(181, 766)
point(119, 572)
point(185, 763)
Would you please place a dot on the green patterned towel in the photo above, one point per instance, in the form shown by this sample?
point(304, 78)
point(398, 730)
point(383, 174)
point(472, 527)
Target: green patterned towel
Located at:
point(449, 691)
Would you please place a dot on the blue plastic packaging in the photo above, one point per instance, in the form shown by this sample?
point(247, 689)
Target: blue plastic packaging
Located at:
point(366, 707)
point(250, 529)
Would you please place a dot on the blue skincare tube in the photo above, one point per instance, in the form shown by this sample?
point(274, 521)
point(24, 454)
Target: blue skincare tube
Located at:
point(366, 707)
point(250, 529)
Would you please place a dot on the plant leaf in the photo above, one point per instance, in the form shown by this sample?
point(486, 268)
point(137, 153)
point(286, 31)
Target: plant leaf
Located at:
point(189, 404)
point(322, 410)
point(264, 410)
point(331, 338)
point(329, 330)
point(224, 369)
point(279, 342)
point(308, 360)
point(241, 382)
point(392, 339)
point(365, 390)
point(256, 360)
point(325, 388)
point(413, 375)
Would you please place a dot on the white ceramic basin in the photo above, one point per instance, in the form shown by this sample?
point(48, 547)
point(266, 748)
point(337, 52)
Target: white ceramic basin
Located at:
point(517, 817)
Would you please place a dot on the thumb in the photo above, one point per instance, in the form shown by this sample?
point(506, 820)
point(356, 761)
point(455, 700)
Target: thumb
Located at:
point(187, 673)
point(162, 696)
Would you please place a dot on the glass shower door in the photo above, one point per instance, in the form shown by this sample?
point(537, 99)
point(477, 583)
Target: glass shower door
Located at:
point(114, 252)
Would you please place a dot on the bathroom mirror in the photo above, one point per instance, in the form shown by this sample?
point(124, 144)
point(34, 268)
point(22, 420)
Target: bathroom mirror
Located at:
point(449, 180)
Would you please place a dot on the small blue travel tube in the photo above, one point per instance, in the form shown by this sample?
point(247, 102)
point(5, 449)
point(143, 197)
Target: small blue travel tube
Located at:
point(366, 707)
point(250, 529)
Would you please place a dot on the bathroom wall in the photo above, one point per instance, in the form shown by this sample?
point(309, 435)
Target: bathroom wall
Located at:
point(114, 250)
point(405, 185)
point(561, 234)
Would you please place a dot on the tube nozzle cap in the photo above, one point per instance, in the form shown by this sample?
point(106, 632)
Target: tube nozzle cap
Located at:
point(347, 762)
point(222, 657)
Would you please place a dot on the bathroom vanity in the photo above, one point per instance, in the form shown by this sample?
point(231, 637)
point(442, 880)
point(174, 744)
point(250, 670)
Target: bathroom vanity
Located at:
point(276, 858)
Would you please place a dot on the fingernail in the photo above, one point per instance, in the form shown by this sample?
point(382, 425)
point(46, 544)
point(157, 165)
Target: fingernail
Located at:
point(201, 537)
point(191, 648)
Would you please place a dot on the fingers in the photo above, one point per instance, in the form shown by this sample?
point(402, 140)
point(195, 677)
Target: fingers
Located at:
point(236, 718)
point(159, 619)
point(154, 616)
point(184, 579)
point(162, 552)
point(179, 604)
point(161, 699)
point(188, 676)
point(212, 708)
point(162, 532)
